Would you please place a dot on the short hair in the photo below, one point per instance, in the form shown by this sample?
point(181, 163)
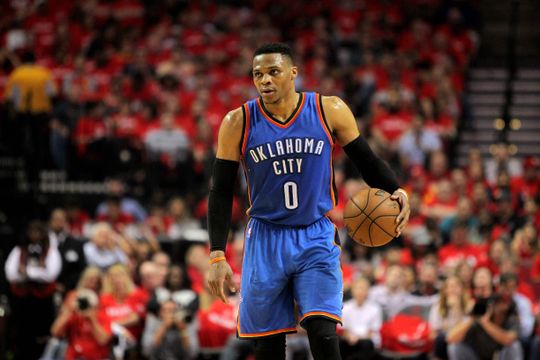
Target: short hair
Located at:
point(274, 48)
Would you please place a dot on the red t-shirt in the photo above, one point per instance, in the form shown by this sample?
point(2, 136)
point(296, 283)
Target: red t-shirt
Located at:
point(392, 126)
point(216, 324)
point(81, 341)
point(117, 311)
point(451, 255)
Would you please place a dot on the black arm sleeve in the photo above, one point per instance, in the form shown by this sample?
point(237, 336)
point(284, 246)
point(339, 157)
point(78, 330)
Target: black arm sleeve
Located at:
point(375, 172)
point(220, 202)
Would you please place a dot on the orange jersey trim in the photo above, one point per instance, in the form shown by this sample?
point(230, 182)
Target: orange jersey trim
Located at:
point(321, 313)
point(267, 333)
point(289, 122)
point(246, 130)
point(318, 100)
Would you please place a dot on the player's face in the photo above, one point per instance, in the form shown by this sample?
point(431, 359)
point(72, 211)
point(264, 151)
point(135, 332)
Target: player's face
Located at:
point(273, 76)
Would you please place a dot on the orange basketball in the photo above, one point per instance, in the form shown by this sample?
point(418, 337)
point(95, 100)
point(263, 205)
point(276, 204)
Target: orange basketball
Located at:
point(370, 217)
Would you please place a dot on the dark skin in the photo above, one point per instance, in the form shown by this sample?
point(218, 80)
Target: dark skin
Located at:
point(273, 76)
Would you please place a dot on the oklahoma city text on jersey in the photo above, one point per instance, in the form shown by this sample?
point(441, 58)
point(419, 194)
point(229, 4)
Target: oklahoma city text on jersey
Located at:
point(289, 146)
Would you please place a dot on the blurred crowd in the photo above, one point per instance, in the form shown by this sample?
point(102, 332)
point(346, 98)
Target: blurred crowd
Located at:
point(132, 93)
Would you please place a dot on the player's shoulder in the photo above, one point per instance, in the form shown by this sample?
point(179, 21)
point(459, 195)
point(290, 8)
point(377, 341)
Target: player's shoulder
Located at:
point(234, 119)
point(333, 103)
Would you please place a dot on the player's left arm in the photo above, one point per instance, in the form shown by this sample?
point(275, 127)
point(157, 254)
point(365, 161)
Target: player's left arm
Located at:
point(374, 170)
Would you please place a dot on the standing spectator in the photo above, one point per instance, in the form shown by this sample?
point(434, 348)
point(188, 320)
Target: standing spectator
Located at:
point(451, 309)
point(71, 250)
point(417, 143)
point(31, 269)
point(362, 322)
point(104, 249)
point(30, 89)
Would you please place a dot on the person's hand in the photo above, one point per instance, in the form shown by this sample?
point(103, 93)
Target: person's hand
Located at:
point(220, 274)
point(403, 218)
point(487, 316)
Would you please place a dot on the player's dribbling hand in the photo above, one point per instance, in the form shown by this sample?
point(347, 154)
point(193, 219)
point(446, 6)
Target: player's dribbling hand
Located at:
point(403, 218)
point(220, 274)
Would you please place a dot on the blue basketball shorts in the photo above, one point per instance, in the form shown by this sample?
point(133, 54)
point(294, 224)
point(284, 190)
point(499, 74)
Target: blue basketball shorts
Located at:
point(287, 265)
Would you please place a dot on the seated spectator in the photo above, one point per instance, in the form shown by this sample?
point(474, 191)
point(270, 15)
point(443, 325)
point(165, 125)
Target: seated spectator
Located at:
point(104, 250)
point(169, 153)
point(427, 284)
point(197, 265)
point(459, 249)
point(71, 250)
point(128, 205)
point(87, 330)
point(114, 216)
point(463, 214)
point(390, 296)
point(123, 302)
point(502, 161)
point(179, 219)
point(508, 286)
point(451, 308)
point(31, 269)
point(362, 321)
point(417, 143)
point(165, 337)
point(492, 327)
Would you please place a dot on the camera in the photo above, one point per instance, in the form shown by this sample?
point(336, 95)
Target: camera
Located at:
point(86, 299)
point(480, 306)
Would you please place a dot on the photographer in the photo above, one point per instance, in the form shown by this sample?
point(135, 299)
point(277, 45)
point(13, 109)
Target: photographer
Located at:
point(87, 331)
point(166, 337)
point(32, 269)
point(491, 328)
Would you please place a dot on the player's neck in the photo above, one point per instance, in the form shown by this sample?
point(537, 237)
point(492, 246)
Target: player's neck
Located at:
point(282, 109)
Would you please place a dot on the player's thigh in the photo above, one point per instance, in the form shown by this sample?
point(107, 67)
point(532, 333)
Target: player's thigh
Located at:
point(318, 286)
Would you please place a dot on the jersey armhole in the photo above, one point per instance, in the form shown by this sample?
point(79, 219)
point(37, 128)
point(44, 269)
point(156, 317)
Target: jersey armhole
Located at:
point(322, 116)
point(245, 129)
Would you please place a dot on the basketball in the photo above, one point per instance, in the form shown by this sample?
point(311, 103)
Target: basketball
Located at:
point(370, 217)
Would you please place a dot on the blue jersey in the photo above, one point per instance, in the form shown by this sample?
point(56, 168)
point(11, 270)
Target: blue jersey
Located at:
point(288, 166)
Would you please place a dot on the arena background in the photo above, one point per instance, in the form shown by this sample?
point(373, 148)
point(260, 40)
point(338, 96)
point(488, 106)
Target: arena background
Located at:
point(108, 123)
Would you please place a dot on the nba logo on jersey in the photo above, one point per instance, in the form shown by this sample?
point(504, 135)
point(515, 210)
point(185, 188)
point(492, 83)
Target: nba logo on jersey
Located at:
point(288, 165)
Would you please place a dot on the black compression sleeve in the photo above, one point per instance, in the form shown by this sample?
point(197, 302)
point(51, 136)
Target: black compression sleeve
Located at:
point(220, 202)
point(375, 171)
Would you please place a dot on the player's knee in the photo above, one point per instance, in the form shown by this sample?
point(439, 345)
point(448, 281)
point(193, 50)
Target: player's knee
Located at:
point(320, 328)
point(323, 340)
point(271, 347)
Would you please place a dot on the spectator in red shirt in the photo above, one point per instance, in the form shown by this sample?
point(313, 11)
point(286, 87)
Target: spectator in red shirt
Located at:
point(122, 301)
point(459, 249)
point(88, 331)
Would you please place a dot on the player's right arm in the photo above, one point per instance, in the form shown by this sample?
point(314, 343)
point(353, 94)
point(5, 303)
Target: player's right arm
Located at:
point(220, 200)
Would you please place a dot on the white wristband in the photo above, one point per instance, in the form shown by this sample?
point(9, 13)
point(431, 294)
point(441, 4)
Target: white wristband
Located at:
point(403, 192)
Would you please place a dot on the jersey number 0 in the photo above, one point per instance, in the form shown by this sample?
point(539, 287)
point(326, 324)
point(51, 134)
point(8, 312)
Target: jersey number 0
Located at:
point(290, 194)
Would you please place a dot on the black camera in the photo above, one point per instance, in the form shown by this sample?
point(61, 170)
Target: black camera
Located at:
point(480, 306)
point(83, 303)
point(86, 299)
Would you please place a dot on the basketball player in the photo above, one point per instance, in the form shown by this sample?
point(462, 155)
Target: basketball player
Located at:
point(284, 140)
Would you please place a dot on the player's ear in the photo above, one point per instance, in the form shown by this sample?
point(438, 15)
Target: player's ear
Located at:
point(294, 72)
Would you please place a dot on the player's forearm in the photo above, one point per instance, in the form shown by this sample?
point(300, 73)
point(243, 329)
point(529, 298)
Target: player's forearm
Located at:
point(374, 170)
point(220, 203)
